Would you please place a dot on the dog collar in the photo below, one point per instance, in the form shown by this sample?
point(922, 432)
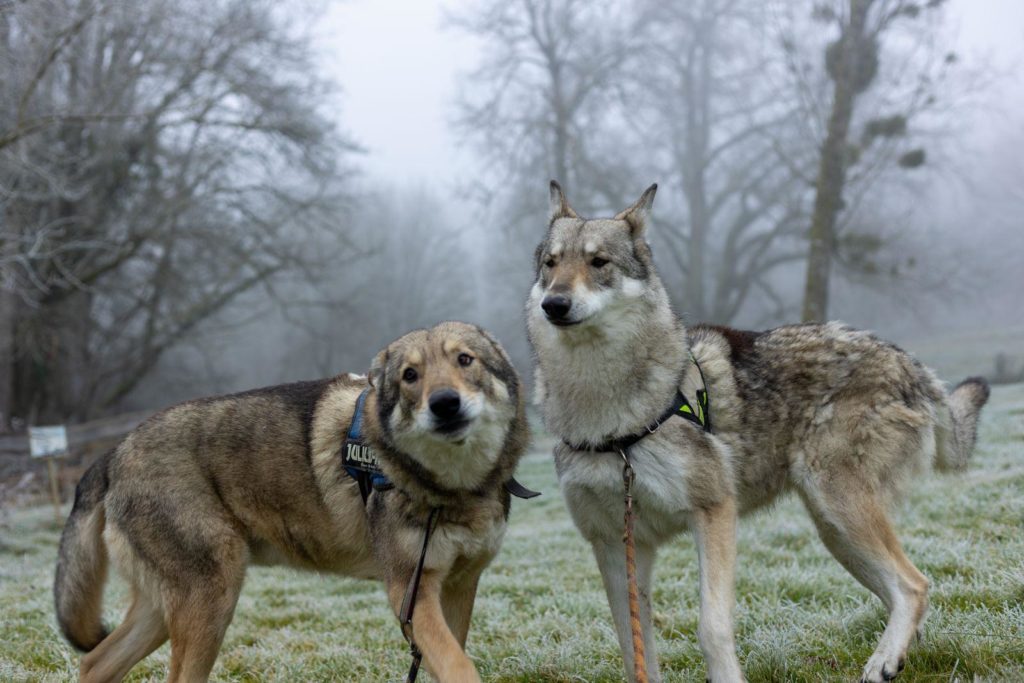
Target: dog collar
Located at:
point(360, 461)
point(698, 412)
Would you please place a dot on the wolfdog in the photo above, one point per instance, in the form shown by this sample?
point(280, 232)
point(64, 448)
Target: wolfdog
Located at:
point(832, 412)
point(205, 488)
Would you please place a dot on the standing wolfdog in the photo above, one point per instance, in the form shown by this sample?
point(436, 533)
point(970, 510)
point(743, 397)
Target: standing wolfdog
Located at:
point(203, 489)
point(829, 411)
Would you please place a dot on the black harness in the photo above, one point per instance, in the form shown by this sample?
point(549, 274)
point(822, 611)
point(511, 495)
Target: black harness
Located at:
point(360, 462)
point(698, 413)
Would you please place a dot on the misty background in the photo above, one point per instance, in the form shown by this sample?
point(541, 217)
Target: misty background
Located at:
point(212, 196)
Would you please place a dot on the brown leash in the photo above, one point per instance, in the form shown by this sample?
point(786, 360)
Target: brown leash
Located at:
point(639, 659)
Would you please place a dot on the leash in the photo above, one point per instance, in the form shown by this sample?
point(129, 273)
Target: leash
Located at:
point(359, 461)
point(409, 602)
point(639, 657)
point(698, 413)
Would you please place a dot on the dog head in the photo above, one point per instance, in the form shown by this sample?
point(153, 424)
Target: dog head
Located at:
point(586, 268)
point(448, 398)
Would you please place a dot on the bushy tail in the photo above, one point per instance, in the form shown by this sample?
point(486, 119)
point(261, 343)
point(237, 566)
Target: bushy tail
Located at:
point(957, 442)
point(82, 563)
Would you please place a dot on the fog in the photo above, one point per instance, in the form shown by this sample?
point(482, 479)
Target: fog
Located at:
point(277, 190)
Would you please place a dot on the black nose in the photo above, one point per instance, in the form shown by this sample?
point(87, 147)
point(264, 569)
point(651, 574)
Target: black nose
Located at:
point(556, 306)
point(445, 403)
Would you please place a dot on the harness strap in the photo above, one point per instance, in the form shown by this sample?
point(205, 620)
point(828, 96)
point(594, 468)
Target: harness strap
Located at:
point(698, 413)
point(409, 602)
point(358, 457)
point(520, 491)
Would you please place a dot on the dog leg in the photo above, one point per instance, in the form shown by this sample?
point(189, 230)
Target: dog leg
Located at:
point(857, 531)
point(611, 561)
point(457, 598)
point(442, 654)
point(141, 632)
point(714, 531)
point(198, 615)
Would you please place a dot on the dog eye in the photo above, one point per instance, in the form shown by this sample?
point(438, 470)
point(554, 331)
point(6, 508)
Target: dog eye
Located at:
point(550, 263)
point(410, 375)
point(599, 262)
point(465, 360)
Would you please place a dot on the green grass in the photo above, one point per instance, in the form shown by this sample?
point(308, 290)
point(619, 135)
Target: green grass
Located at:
point(541, 614)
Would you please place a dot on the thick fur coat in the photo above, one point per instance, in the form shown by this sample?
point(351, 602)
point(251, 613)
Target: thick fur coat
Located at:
point(828, 411)
point(203, 489)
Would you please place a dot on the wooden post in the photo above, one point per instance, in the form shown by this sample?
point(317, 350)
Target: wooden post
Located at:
point(51, 466)
point(50, 443)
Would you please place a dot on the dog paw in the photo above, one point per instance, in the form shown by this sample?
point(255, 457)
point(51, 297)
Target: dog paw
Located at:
point(881, 668)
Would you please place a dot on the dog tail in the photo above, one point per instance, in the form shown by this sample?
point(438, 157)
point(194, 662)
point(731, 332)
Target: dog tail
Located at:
point(82, 562)
point(956, 441)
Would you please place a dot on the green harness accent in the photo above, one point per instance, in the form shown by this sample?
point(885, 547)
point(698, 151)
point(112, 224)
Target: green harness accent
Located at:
point(701, 412)
point(698, 413)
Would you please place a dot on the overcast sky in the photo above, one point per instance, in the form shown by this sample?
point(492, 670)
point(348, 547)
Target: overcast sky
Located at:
point(398, 68)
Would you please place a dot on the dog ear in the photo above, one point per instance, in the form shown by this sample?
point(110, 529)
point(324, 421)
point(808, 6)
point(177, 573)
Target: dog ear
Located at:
point(636, 215)
point(559, 205)
point(376, 374)
point(503, 370)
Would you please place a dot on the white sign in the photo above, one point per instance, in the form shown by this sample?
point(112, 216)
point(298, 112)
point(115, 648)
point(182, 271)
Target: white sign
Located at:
point(47, 440)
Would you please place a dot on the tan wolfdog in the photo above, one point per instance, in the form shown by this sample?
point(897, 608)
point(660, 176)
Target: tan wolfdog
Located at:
point(201, 490)
point(831, 412)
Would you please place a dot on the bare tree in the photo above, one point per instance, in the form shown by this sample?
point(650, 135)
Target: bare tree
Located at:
point(532, 110)
point(705, 102)
point(156, 162)
point(852, 63)
point(534, 104)
point(603, 94)
point(413, 269)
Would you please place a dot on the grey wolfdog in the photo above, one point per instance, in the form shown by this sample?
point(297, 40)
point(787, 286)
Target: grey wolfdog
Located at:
point(205, 488)
point(832, 412)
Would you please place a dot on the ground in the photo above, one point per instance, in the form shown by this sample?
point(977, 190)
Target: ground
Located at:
point(541, 614)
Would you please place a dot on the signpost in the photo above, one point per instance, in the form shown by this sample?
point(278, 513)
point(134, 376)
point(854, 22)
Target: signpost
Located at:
point(50, 443)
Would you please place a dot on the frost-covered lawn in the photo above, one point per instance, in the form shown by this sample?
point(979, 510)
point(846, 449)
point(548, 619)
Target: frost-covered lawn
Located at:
point(541, 614)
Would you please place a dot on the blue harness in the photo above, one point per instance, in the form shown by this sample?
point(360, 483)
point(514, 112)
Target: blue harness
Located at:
point(359, 458)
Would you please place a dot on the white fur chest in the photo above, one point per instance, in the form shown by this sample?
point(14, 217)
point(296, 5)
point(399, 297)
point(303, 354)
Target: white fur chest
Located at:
point(451, 543)
point(588, 399)
point(593, 486)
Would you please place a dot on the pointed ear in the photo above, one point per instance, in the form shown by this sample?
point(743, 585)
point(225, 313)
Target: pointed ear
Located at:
point(376, 374)
point(636, 215)
point(559, 206)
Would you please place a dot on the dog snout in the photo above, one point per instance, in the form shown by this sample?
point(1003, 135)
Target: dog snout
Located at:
point(556, 306)
point(445, 404)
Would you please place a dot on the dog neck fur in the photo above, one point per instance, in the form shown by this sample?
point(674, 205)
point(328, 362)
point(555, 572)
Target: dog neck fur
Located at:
point(600, 381)
point(477, 465)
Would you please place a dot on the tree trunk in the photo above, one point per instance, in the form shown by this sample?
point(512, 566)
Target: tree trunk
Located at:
point(561, 141)
point(698, 136)
point(828, 199)
point(6, 345)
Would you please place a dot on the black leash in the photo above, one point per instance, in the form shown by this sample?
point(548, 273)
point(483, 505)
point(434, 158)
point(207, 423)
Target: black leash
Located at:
point(409, 602)
point(359, 461)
